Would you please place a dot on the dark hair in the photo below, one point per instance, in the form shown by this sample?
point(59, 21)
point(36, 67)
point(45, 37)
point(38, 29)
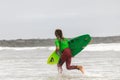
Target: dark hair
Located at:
point(58, 32)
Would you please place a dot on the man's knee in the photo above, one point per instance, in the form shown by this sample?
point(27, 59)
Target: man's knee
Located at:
point(68, 67)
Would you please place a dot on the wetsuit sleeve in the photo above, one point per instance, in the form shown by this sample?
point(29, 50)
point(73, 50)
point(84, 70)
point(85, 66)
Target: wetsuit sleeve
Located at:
point(57, 43)
point(67, 39)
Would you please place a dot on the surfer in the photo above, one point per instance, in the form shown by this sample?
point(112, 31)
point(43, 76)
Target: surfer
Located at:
point(62, 48)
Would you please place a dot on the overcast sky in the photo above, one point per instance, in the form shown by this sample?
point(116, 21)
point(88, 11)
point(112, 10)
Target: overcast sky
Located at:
point(26, 19)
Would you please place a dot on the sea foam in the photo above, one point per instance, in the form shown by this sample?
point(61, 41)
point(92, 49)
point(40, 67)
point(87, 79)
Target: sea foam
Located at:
point(91, 47)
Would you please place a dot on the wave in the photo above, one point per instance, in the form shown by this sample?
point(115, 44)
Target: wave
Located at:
point(103, 47)
point(21, 48)
point(91, 47)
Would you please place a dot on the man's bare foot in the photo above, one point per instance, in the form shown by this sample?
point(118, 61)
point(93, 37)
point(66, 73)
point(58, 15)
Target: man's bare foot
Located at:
point(60, 70)
point(81, 69)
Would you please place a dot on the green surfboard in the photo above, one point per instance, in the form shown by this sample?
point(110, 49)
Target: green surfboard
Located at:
point(76, 45)
point(53, 58)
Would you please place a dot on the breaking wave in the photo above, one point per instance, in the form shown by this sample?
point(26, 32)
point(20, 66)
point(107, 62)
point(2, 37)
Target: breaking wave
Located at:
point(91, 47)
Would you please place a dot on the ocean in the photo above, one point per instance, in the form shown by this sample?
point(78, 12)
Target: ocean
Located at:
point(101, 62)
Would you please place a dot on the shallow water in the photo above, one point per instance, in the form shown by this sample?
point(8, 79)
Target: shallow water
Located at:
point(31, 65)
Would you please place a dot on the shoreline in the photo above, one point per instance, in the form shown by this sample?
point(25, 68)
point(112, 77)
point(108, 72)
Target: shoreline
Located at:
point(50, 42)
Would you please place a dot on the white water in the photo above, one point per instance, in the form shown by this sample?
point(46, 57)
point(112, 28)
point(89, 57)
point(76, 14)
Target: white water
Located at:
point(101, 62)
point(92, 47)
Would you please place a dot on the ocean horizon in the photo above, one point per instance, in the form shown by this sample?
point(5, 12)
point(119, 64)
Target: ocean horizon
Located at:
point(50, 42)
